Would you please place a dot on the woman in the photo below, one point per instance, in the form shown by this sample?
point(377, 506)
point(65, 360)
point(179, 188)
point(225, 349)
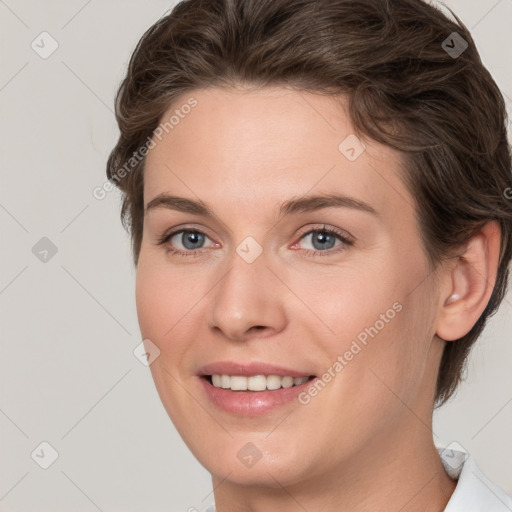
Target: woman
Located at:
point(316, 194)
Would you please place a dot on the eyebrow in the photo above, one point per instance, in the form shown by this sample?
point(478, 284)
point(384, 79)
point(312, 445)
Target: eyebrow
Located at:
point(290, 207)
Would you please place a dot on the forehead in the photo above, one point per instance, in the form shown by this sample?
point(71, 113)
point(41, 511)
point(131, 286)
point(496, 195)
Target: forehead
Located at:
point(259, 147)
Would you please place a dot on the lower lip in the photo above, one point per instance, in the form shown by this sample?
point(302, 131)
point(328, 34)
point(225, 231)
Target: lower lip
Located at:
point(251, 403)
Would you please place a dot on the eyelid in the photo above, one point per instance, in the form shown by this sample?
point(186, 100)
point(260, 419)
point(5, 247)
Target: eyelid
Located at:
point(165, 238)
point(331, 229)
point(178, 229)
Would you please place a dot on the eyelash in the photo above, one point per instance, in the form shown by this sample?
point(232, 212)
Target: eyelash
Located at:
point(324, 229)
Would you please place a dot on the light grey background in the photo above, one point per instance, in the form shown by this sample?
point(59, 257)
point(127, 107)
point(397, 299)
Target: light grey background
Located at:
point(69, 326)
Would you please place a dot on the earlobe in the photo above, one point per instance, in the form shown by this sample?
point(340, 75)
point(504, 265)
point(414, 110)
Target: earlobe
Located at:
point(470, 283)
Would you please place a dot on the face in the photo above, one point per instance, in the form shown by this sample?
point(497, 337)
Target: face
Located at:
point(244, 279)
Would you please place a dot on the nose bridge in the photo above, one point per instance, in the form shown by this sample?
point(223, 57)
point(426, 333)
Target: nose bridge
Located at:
point(246, 296)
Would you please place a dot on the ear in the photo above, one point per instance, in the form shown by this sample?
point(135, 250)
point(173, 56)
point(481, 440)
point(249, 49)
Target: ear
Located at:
point(469, 283)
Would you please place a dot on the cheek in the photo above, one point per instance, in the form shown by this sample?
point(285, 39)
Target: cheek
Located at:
point(163, 304)
point(160, 303)
point(162, 297)
point(380, 329)
point(348, 299)
point(153, 301)
point(389, 368)
point(169, 302)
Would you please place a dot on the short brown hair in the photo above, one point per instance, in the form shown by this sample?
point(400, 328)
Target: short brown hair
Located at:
point(405, 89)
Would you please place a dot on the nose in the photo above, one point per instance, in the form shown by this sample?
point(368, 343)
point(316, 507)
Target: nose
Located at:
point(248, 301)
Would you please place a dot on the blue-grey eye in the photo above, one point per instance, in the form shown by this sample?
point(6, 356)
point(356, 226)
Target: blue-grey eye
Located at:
point(322, 239)
point(190, 239)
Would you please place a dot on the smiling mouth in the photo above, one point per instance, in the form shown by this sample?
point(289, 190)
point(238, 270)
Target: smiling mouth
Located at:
point(255, 382)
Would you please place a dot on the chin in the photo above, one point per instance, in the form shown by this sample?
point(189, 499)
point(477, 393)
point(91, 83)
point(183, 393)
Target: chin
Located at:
point(256, 462)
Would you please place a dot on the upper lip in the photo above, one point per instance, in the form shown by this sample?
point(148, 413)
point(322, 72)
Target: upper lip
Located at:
point(249, 369)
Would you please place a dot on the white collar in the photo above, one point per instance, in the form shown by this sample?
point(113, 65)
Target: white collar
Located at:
point(473, 493)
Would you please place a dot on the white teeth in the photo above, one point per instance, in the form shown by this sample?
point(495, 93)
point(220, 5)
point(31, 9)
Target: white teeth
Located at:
point(238, 383)
point(224, 381)
point(287, 382)
point(256, 382)
point(273, 382)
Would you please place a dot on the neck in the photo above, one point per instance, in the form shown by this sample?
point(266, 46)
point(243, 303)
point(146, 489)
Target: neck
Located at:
point(401, 472)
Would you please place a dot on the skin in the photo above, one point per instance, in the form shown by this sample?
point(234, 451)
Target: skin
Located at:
point(365, 441)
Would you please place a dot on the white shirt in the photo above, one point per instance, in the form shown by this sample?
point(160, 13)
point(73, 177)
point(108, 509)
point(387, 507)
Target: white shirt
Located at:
point(473, 493)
